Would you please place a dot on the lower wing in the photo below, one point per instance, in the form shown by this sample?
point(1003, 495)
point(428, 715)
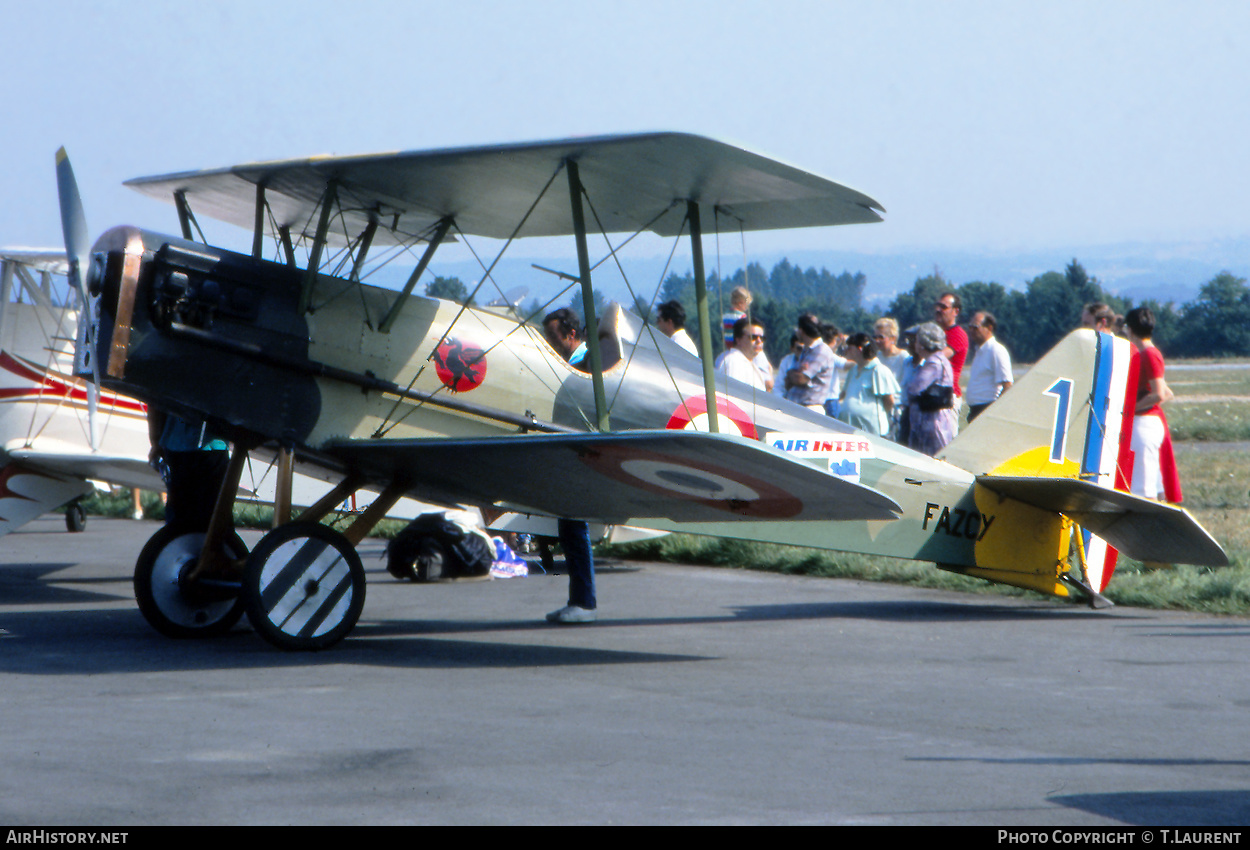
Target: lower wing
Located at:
point(127, 470)
point(686, 476)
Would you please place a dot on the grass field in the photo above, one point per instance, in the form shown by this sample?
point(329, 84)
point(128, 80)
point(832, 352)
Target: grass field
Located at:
point(1212, 401)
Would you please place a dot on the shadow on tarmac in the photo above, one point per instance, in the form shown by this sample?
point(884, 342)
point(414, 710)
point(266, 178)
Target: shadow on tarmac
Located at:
point(1166, 808)
point(28, 585)
point(72, 642)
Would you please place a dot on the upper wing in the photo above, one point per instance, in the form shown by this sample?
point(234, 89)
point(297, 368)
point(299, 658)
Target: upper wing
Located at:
point(1140, 528)
point(615, 477)
point(48, 260)
point(630, 179)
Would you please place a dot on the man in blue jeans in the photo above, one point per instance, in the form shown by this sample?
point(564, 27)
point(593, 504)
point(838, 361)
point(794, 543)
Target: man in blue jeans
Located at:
point(561, 330)
point(193, 462)
point(580, 561)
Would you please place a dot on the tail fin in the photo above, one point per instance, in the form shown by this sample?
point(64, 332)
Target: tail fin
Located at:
point(1061, 420)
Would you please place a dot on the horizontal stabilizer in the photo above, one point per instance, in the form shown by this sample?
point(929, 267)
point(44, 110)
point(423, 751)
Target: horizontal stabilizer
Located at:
point(1140, 528)
point(684, 476)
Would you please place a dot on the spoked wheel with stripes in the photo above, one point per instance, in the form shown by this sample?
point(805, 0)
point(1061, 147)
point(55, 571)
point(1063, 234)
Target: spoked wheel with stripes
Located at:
point(304, 587)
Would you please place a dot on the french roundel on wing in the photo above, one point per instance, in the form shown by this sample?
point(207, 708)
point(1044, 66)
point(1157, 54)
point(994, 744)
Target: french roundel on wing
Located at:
point(691, 415)
point(679, 477)
point(460, 364)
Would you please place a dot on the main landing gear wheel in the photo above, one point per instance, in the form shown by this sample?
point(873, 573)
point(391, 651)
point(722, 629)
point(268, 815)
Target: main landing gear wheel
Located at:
point(304, 587)
point(175, 606)
point(75, 517)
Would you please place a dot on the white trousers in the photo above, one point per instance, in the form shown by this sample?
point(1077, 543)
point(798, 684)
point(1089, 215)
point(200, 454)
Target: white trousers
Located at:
point(1147, 439)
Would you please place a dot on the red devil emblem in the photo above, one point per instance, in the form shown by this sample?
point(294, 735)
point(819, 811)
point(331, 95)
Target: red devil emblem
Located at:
point(461, 366)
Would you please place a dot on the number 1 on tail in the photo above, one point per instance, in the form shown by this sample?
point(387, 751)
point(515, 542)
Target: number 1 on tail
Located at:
point(1062, 391)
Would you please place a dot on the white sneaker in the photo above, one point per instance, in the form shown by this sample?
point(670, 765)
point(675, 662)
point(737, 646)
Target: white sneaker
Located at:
point(572, 614)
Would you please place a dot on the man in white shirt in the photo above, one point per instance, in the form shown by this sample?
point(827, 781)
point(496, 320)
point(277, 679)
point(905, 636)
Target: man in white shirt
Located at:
point(739, 362)
point(990, 375)
point(835, 339)
point(790, 361)
point(671, 321)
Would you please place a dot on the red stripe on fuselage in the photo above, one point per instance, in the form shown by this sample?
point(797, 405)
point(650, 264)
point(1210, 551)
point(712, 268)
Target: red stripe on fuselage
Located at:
point(47, 384)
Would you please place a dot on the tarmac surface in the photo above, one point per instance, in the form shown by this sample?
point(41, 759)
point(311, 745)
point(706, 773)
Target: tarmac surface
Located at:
point(708, 696)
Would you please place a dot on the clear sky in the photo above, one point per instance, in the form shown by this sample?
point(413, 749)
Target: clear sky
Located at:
point(978, 125)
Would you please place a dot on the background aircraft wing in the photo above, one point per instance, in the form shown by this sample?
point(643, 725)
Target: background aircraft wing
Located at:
point(48, 260)
point(488, 190)
point(1140, 528)
point(615, 477)
point(81, 462)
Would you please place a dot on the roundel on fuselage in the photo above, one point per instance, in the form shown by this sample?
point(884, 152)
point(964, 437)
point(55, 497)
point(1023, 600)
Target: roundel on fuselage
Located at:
point(691, 415)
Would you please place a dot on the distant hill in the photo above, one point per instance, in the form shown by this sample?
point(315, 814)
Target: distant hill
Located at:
point(1163, 271)
point(1173, 272)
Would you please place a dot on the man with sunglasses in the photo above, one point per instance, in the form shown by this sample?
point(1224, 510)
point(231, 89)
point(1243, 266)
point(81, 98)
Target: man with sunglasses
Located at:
point(740, 361)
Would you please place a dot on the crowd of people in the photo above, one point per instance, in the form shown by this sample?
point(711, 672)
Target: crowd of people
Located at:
point(907, 385)
point(906, 389)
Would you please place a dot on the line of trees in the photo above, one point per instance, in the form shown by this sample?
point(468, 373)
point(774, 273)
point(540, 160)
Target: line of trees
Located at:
point(1030, 320)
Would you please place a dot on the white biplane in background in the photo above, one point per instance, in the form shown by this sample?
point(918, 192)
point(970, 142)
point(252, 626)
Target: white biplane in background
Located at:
point(57, 434)
point(424, 398)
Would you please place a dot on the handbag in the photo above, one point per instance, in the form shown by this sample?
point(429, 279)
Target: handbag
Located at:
point(935, 397)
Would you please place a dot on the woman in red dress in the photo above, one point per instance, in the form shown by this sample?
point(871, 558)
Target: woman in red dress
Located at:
point(1152, 464)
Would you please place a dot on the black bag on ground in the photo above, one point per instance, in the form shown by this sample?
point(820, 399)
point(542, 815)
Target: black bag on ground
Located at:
point(432, 547)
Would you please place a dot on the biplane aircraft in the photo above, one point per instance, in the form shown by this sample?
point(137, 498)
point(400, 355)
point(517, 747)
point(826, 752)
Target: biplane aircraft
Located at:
point(426, 398)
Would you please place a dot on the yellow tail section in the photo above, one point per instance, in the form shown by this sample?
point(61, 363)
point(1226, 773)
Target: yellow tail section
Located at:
point(1026, 546)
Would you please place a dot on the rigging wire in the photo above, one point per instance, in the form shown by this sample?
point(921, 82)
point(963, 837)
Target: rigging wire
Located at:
point(542, 309)
point(650, 329)
point(523, 324)
point(463, 307)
